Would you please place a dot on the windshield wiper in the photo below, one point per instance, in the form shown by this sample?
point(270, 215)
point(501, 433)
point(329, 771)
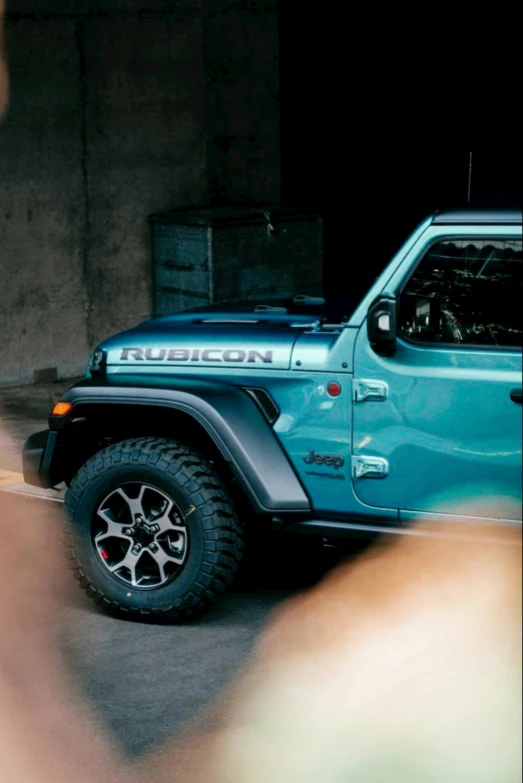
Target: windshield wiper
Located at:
point(270, 309)
point(303, 299)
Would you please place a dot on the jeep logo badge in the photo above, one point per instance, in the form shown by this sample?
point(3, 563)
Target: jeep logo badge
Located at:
point(324, 459)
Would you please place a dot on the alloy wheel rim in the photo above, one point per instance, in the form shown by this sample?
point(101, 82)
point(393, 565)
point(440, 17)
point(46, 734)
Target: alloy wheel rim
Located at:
point(140, 536)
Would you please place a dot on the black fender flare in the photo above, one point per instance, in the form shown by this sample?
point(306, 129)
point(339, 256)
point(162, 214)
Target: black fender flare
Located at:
point(230, 417)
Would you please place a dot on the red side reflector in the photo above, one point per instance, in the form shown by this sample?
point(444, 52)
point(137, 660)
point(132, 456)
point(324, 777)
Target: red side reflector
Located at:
point(334, 389)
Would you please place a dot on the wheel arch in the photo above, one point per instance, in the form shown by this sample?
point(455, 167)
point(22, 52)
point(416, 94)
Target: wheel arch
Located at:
point(221, 421)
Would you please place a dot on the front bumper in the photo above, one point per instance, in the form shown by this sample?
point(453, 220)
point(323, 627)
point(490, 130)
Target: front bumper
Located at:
point(37, 458)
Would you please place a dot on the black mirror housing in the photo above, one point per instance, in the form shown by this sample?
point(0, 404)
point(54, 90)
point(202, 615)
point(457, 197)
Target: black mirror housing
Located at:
point(382, 320)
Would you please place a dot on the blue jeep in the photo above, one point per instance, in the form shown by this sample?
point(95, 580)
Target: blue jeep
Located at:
point(328, 418)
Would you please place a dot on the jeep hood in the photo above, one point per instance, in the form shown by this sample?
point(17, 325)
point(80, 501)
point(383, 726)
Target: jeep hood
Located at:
point(253, 335)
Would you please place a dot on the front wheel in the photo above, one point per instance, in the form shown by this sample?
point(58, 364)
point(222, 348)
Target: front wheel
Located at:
point(151, 531)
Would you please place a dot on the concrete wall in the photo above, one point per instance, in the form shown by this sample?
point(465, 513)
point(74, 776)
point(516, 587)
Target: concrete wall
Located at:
point(120, 108)
point(145, 150)
point(42, 222)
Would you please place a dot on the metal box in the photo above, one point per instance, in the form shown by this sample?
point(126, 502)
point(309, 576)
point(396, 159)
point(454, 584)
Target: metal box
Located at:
point(212, 255)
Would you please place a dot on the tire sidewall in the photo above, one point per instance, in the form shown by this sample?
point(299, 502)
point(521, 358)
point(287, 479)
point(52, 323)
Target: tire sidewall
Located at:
point(88, 501)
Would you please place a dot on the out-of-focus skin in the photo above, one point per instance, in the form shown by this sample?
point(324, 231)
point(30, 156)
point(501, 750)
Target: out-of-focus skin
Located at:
point(46, 733)
point(403, 667)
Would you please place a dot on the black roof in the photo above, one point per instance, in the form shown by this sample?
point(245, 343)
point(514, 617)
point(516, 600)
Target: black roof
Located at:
point(474, 216)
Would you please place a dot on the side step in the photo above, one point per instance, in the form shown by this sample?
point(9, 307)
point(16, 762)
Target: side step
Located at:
point(330, 529)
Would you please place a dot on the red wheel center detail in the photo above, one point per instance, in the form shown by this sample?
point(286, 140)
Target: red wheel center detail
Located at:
point(334, 389)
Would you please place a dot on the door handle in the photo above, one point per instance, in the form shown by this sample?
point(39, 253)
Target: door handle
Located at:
point(516, 395)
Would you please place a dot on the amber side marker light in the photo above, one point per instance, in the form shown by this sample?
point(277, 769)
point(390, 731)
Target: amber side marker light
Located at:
point(61, 409)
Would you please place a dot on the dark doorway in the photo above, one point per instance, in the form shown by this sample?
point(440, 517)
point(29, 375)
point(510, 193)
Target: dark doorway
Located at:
point(376, 155)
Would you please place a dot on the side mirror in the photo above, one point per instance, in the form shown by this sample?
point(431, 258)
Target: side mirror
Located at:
point(382, 324)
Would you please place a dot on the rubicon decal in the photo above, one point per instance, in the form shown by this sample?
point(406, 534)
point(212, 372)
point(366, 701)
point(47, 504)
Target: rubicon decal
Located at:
point(213, 355)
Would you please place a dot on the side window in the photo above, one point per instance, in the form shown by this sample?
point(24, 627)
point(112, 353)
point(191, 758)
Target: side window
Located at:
point(465, 291)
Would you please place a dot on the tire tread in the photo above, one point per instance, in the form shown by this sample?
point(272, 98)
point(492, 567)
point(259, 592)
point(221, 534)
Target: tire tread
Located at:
point(223, 534)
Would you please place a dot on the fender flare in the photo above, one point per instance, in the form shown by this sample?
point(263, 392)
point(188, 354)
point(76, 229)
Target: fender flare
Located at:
point(230, 417)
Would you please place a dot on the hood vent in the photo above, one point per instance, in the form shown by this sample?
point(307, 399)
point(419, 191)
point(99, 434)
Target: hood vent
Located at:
point(226, 321)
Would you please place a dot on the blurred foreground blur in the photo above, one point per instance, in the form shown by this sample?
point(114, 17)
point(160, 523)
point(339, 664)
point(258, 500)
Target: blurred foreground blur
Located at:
point(404, 665)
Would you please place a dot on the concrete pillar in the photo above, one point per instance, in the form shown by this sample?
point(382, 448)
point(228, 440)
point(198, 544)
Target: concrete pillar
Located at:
point(144, 149)
point(120, 108)
point(43, 300)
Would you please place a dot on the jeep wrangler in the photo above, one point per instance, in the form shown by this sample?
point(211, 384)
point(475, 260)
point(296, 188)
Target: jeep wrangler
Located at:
point(333, 419)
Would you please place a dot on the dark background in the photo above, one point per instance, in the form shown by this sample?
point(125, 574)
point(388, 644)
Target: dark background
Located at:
point(379, 117)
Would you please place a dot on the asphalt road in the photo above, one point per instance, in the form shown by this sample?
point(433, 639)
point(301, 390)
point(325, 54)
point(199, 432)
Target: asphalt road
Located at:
point(146, 681)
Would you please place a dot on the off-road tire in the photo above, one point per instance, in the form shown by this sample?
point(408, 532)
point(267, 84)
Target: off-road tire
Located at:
point(214, 532)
